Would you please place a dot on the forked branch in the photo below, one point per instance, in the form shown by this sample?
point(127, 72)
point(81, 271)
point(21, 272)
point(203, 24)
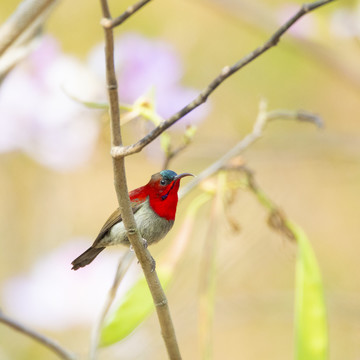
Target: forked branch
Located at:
point(111, 23)
point(263, 118)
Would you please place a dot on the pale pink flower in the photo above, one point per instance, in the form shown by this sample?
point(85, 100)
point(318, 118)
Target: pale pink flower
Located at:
point(52, 296)
point(36, 115)
point(146, 65)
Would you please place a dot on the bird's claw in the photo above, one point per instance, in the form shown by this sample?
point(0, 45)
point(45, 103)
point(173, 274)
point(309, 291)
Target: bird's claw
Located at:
point(153, 264)
point(145, 243)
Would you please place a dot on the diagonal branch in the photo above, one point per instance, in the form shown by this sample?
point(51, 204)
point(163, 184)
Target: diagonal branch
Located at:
point(26, 15)
point(49, 343)
point(261, 121)
point(225, 73)
point(111, 23)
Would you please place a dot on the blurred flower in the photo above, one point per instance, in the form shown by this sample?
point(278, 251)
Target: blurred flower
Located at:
point(37, 117)
point(345, 22)
point(51, 296)
point(144, 66)
point(304, 27)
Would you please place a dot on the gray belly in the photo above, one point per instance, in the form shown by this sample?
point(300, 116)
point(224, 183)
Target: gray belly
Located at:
point(151, 227)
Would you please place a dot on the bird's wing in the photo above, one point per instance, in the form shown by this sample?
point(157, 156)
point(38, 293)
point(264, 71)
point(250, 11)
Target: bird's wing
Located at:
point(114, 218)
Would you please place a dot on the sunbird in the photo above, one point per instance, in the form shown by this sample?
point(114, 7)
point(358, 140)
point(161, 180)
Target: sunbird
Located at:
point(154, 208)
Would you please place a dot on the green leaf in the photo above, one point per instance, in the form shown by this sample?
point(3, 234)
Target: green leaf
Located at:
point(310, 311)
point(136, 305)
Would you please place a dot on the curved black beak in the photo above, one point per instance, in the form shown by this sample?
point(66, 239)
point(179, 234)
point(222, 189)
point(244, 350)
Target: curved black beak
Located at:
point(177, 177)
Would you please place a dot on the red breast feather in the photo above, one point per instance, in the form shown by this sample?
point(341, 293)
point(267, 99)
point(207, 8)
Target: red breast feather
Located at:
point(164, 200)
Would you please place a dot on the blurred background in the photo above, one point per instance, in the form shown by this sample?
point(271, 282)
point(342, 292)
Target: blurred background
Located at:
point(56, 181)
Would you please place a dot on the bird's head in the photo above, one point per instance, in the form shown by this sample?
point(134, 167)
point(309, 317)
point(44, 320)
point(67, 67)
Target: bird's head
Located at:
point(162, 191)
point(165, 183)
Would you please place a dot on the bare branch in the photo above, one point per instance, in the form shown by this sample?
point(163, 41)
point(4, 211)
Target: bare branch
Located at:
point(111, 23)
point(299, 115)
point(277, 219)
point(226, 72)
point(262, 119)
point(24, 18)
point(121, 188)
point(51, 344)
point(173, 153)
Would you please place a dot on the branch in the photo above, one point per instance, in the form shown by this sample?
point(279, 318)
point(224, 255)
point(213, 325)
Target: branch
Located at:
point(262, 119)
point(120, 183)
point(173, 153)
point(299, 115)
point(51, 344)
point(111, 23)
point(225, 73)
point(24, 18)
point(277, 219)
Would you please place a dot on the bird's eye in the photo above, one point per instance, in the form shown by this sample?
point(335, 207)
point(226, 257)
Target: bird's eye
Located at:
point(163, 182)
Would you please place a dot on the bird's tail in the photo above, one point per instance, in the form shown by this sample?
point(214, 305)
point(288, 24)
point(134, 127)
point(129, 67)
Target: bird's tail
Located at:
point(86, 257)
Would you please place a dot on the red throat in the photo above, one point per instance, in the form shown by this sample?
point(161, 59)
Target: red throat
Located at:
point(164, 204)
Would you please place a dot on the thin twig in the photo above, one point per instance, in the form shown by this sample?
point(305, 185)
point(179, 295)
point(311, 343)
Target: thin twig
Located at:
point(277, 220)
point(111, 23)
point(121, 270)
point(25, 16)
point(226, 72)
point(120, 183)
point(49, 343)
point(173, 153)
point(262, 119)
point(299, 115)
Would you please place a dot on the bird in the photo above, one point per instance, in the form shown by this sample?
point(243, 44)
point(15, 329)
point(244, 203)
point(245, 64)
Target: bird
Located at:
point(154, 208)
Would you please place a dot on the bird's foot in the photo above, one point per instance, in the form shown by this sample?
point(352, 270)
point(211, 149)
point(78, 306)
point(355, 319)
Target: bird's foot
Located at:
point(145, 243)
point(153, 264)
